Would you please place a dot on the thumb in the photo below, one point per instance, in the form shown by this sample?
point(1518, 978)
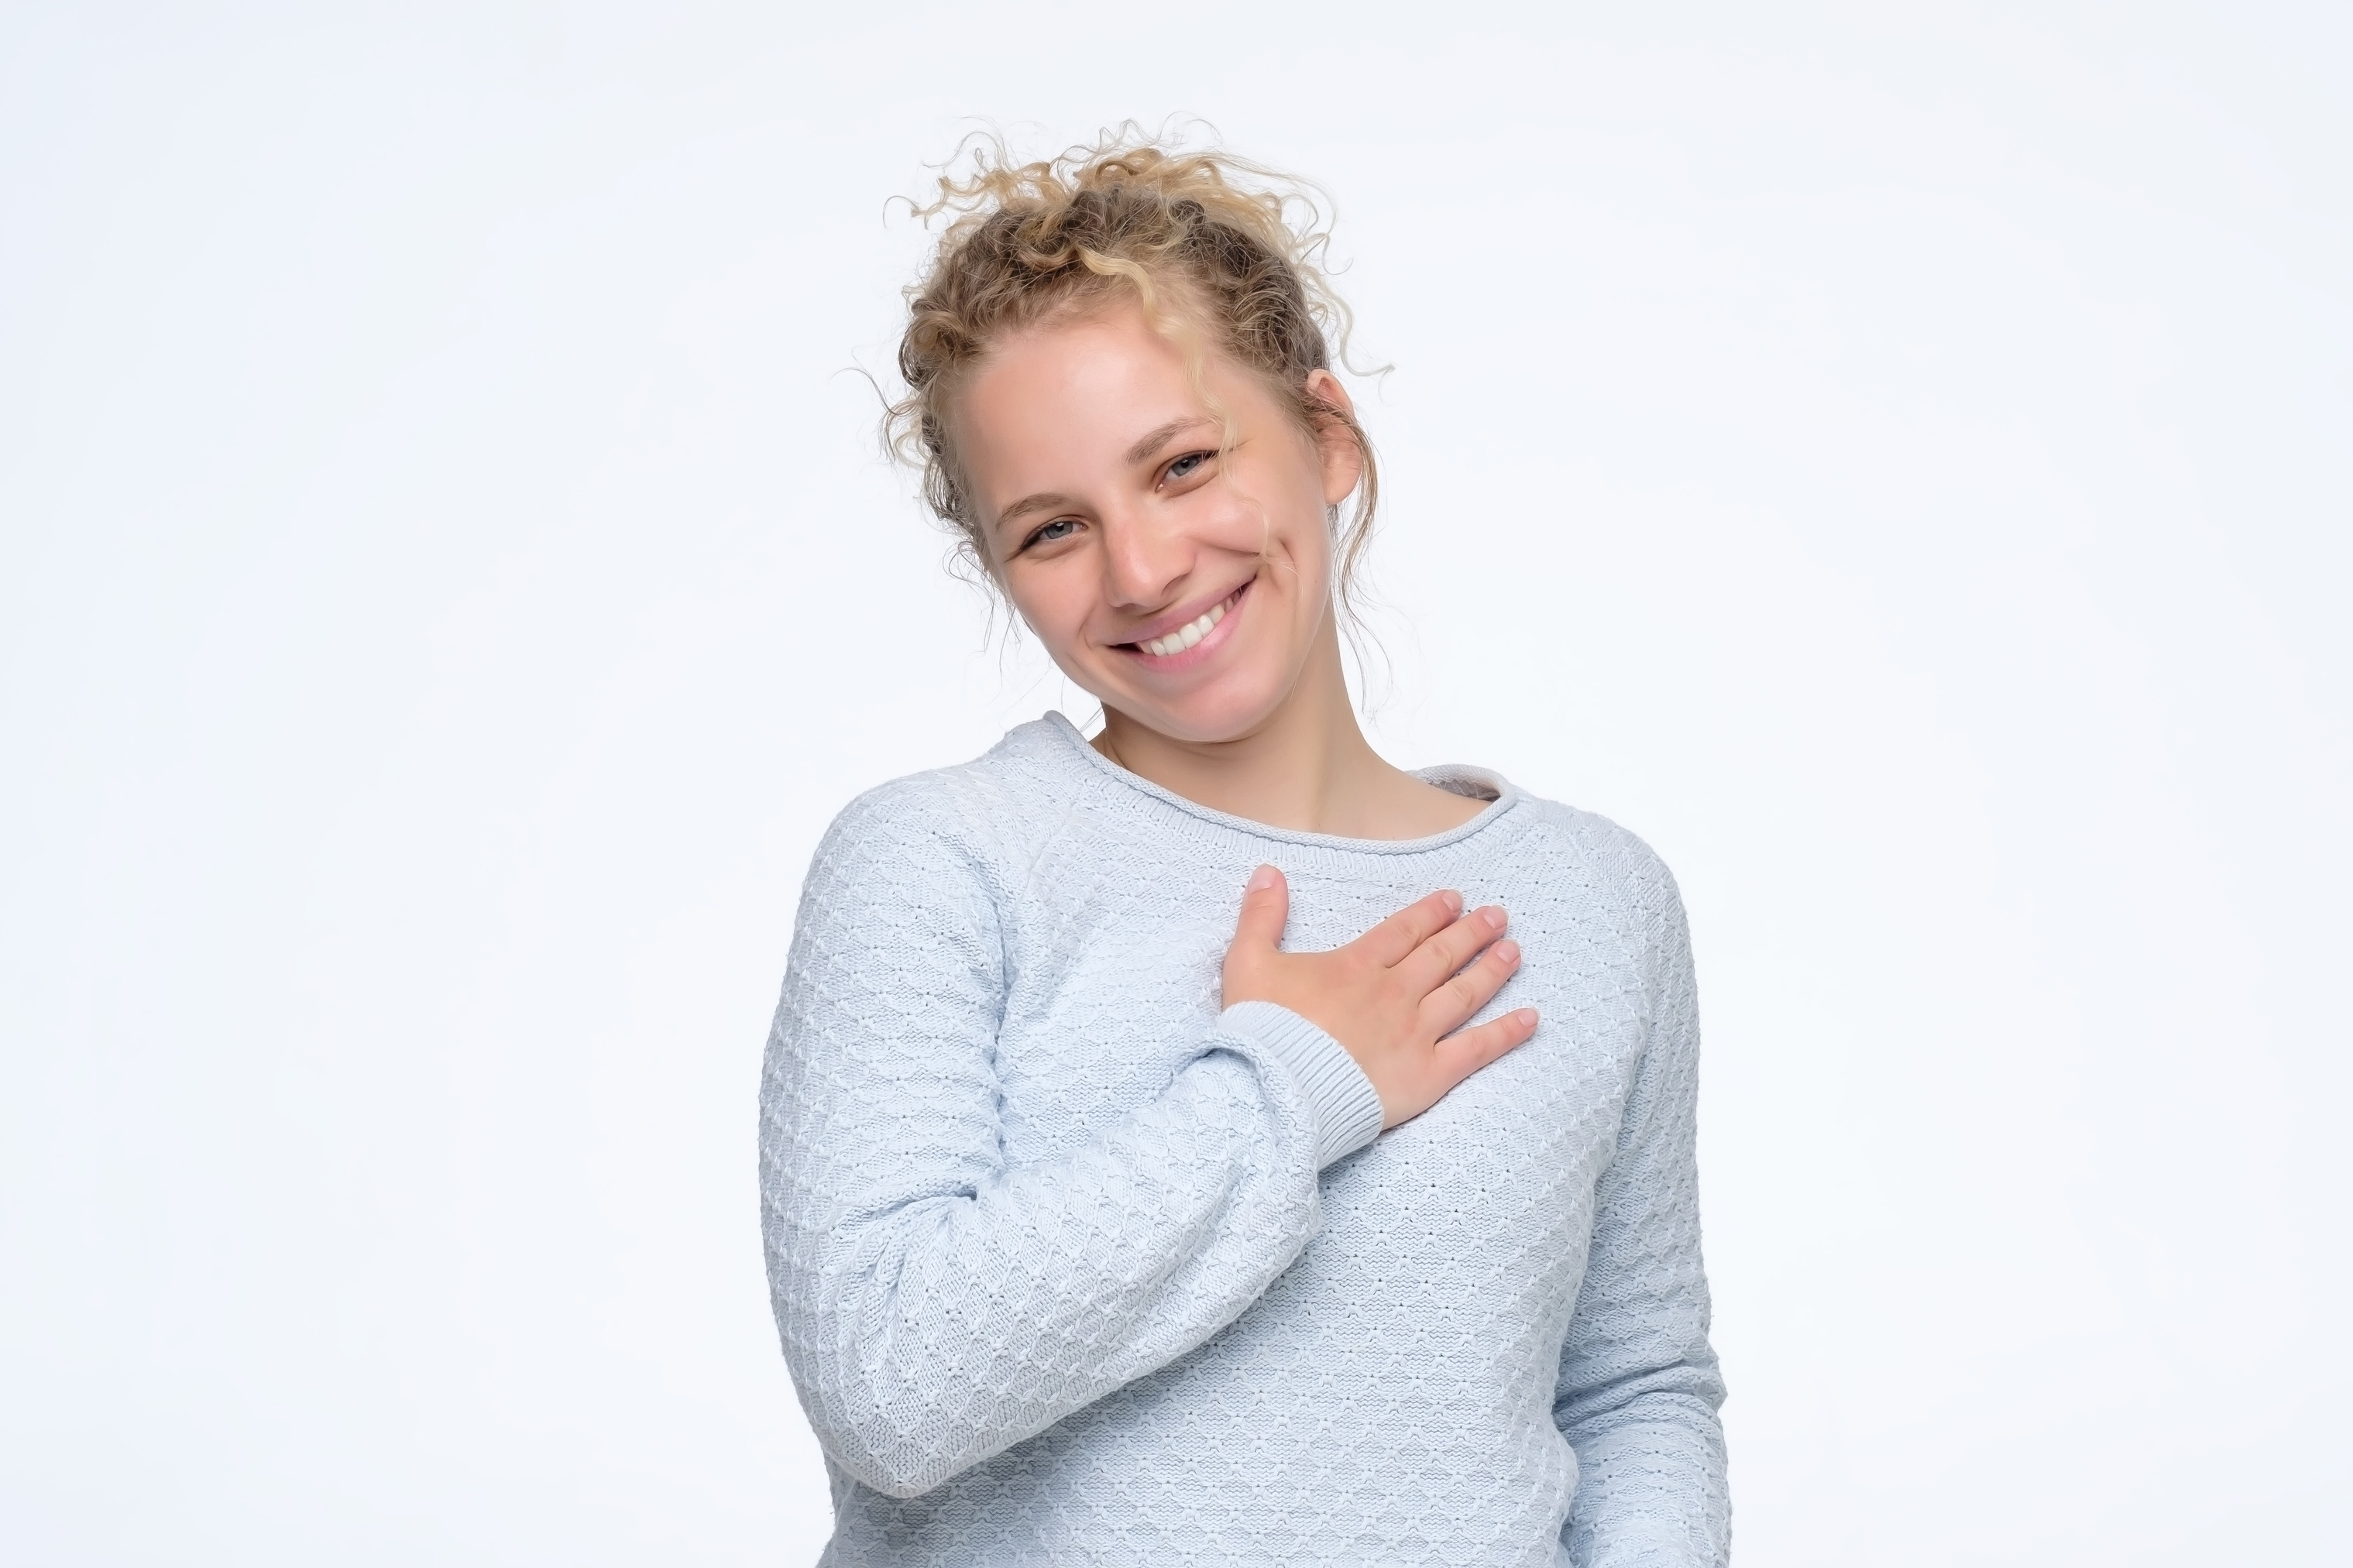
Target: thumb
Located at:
point(1266, 907)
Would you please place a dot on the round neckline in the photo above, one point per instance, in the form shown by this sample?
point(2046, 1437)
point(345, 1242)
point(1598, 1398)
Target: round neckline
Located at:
point(1507, 797)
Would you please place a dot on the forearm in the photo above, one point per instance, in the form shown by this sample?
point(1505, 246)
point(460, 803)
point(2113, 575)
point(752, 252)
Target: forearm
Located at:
point(929, 1333)
point(1651, 1490)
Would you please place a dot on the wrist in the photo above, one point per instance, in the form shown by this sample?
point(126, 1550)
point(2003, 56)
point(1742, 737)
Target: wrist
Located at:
point(1346, 1109)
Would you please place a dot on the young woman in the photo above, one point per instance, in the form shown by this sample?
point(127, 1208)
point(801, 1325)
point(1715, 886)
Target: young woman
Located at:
point(1166, 1152)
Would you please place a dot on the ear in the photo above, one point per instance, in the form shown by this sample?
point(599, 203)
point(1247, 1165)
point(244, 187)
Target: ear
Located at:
point(1335, 440)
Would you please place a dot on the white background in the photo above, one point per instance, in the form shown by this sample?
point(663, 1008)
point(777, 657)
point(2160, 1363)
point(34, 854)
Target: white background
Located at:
point(1895, 458)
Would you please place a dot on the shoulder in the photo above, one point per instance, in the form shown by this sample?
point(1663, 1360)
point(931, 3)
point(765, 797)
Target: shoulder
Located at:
point(1626, 897)
point(962, 822)
point(1625, 870)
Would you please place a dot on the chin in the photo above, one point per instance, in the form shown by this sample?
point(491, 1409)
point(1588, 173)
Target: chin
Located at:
point(1208, 720)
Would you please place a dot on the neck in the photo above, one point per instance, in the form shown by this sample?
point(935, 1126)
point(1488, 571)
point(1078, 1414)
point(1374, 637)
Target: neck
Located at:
point(1307, 767)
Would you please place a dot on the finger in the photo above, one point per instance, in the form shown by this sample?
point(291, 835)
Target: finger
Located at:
point(1459, 1055)
point(1427, 967)
point(1446, 1007)
point(1266, 909)
point(1389, 941)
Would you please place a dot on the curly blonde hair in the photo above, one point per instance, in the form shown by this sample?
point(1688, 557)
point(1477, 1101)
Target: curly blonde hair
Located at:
point(1206, 242)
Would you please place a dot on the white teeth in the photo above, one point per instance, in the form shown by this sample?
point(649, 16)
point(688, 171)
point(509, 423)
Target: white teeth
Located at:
point(1185, 635)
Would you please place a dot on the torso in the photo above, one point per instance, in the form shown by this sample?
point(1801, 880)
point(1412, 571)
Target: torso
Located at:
point(1432, 1306)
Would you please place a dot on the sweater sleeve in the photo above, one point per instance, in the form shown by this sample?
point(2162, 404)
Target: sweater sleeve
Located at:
point(1639, 1390)
point(938, 1304)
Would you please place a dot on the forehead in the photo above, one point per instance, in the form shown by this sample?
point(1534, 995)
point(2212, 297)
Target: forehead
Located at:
point(1077, 361)
point(1073, 393)
point(1058, 405)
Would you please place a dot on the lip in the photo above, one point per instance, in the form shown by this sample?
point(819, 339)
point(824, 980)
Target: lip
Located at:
point(1161, 625)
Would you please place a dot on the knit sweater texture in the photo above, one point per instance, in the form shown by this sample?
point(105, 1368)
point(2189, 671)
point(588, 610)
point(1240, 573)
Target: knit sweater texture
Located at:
point(1073, 1265)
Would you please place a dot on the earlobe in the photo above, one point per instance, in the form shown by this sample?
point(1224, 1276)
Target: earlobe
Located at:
point(1344, 460)
point(1344, 463)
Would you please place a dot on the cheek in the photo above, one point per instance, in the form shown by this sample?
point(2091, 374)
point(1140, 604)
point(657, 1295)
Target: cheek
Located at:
point(1254, 516)
point(1311, 542)
point(1298, 537)
point(1053, 604)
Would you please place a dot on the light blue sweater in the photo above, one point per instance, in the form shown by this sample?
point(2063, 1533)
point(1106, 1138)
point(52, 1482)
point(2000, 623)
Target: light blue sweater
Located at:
point(1071, 1267)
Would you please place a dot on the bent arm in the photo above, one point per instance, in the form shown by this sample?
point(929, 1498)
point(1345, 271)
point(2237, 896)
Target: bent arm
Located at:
point(938, 1305)
point(1639, 1388)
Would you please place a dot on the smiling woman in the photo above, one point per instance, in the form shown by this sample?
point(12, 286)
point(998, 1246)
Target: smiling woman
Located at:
point(1105, 1222)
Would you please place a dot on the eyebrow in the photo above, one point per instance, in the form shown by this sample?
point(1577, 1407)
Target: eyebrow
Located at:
point(1149, 445)
point(1044, 500)
point(1157, 437)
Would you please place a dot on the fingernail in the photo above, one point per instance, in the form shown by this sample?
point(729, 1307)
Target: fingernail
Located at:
point(1262, 878)
point(1508, 951)
point(1494, 919)
point(1453, 901)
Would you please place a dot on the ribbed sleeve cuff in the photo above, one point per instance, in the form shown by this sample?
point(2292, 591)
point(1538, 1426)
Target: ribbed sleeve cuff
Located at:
point(1348, 1111)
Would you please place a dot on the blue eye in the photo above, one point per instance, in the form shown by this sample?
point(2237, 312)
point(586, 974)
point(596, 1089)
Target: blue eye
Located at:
point(1059, 529)
point(1186, 464)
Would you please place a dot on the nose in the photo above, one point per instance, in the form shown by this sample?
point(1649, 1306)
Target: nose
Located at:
point(1143, 562)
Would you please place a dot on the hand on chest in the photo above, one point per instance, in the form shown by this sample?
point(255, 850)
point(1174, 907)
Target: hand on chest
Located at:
point(1108, 1002)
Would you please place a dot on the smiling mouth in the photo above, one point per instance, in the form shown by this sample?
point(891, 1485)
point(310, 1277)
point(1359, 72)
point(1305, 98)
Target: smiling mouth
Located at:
point(1191, 632)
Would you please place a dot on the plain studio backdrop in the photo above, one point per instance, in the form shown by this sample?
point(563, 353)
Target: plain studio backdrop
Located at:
point(1896, 463)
